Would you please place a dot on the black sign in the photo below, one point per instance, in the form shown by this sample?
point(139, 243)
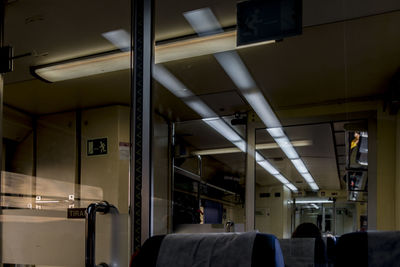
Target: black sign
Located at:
point(266, 20)
point(97, 147)
point(76, 213)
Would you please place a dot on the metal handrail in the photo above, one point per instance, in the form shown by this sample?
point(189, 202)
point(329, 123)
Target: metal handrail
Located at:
point(103, 207)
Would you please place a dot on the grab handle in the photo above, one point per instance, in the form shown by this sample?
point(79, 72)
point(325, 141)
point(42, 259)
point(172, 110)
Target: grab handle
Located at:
point(90, 231)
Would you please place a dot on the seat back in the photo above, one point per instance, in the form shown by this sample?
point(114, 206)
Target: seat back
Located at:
point(370, 249)
point(266, 252)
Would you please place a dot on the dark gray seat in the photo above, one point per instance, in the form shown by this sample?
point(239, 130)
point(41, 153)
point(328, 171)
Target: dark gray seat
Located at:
point(266, 252)
point(370, 249)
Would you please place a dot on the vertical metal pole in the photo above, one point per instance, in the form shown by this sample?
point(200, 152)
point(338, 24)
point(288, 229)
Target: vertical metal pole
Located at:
point(372, 174)
point(141, 122)
point(78, 157)
point(323, 218)
point(334, 217)
point(250, 174)
point(2, 13)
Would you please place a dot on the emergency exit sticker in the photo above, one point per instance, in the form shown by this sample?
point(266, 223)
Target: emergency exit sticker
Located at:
point(97, 147)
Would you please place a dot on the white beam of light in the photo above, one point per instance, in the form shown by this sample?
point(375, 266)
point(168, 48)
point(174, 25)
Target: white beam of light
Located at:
point(203, 21)
point(120, 38)
point(299, 165)
point(236, 70)
point(226, 131)
point(287, 147)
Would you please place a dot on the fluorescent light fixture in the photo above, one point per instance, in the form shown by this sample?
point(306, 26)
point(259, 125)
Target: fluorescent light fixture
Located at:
point(200, 107)
point(276, 132)
point(258, 147)
point(257, 101)
point(259, 157)
point(291, 187)
point(297, 143)
point(120, 38)
point(314, 186)
point(82, 67)
point(203, 21)
point(223, 128)
point(282, 179)
point(236, 70)
point(268, 167)
point(299, 165)
point(312, 201)
point(241, 145)
point(307, 176)
point(117, 60)
point(169, 81)
point(287, 147)
point(216, 151)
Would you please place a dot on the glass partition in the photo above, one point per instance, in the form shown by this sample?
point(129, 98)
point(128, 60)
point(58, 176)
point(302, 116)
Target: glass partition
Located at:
point(66, 135)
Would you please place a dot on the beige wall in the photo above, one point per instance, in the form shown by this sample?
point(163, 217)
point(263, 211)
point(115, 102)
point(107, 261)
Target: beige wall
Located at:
point(109, 172)
point(386, 171)
point(274, 215)
point(47, 237)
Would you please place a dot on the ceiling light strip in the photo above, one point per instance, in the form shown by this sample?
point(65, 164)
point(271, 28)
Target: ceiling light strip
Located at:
point(204, 21)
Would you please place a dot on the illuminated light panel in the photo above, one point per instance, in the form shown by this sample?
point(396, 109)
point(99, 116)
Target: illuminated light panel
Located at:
point(312, 201)
point(291, 187)
point(200, 107)
point(268, 167)
point(203, 21)
point(120, 38)
point(264, 146)
point(83, 67)
point(236, 70)
point(287, 147)
point(257, 101)
point(223, 128)
point(169, 81)
point(276, 132)
point(314, 186)
point(109, 62)
point(307, 176)
point(299, 165)
point(282, 179)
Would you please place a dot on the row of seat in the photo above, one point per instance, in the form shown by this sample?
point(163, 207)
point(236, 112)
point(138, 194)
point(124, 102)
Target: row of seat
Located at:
point(255, 249)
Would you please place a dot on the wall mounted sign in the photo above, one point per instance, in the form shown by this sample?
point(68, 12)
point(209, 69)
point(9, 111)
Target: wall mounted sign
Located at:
point(76, 213)
point(97, 147)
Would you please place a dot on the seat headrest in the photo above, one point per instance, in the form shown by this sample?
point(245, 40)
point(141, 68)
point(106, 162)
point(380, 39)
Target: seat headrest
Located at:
point(231, 249)
point(368, 249)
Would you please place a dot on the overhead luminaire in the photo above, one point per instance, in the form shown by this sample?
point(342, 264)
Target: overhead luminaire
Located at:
point(120, 60)
point(311, 201)
point(287, 147)
point(299, 165)
point(82, 67)
point(203, 21)
point(268, 167)
point(120, 38)
point(314, 186)
point(276, 132)
point(263, 146)
point(291, 187)
point(307, 176)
